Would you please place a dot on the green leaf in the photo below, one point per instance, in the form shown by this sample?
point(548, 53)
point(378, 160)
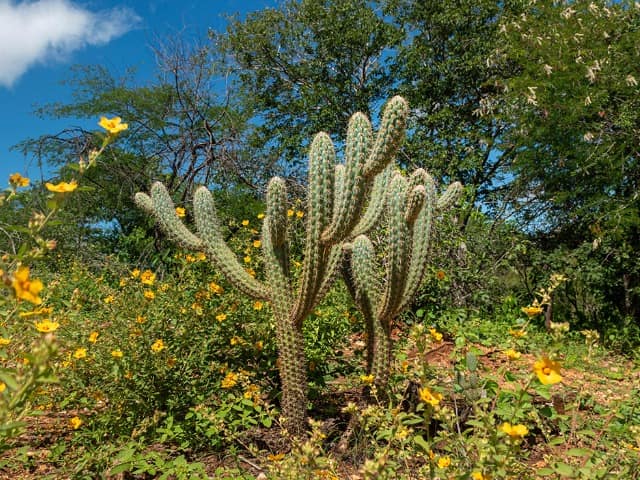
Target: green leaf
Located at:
point(564, 469)
point(578, 452)
point(545, 471)
point(420, 441)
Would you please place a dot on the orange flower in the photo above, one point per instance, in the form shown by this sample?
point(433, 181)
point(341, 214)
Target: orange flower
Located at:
point(429, 397)
point(26, 289)
point(515, 432)
point(62, 187)
point(75, 423)
point(147, 277)
point(18, 180)
point(532, 310)
point(113, 125)
point(46, 326)
point(548, 371)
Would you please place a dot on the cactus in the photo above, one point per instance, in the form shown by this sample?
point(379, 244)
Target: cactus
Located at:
point(342, 199)
point(410, 208)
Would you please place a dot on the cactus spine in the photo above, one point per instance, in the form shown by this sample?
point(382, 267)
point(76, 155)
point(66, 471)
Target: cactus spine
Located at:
point(342, 199)
point(410, 208)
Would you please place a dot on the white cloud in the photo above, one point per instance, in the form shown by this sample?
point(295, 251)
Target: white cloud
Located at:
point(44, 30)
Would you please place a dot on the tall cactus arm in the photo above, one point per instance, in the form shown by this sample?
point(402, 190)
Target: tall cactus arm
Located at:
point(420, 243)
point(221, 255)
point(415, 201)
point(376, 203)
point(278, 222)
point(450, 196)
point(160, 206)
point(282, 294)
point(365, 269)
point(398, 238)
point(367, 296)
point(319, 215)
point(390, 136)
point(353, 186)
point(339, 172)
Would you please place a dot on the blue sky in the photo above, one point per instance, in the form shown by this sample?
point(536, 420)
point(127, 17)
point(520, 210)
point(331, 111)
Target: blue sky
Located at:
point(42, 39)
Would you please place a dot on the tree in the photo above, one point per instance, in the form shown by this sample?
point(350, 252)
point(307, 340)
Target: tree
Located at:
point(575, 103)
point(443, 69)
point(305, 67)
point(180, 132)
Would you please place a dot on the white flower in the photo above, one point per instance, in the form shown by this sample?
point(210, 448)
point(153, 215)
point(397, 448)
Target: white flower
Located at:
point(631, 81)
point(547, 69)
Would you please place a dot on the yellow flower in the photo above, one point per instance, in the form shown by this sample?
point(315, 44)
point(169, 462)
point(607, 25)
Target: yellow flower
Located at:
point(259, 345)
point(75, 423)
point(430, 397)
point(26, 289)
point(123, 282)
point(135, 273)
point(215, 288)
point(113, 125)
point(437, 336)
point(149, 295)
point(157, 346)
point(4, 341)
point(367, 379)
point(229, 380)
point(515, 432)
point(93, 337)
point(517, 333)
point(260, 216)
point(62, 187)
point(18, 180)
point(548, 371)
point(290, 213)
point(140, 319)
point(532, 310)
point(200, 256)
point(147, 277)
point(80, 353)
point(444, 462)
point(299, 214)
point(512, 354)
point(109, 299)
point(257, 244)
point(190, 258)
point(247, 259)
point(3, 387)
point(117, 353)
point(441, 275)
point(480, 476)
point(275, 457)
point(245, 223)
point(236, 340)
point(181, 212)
point(257, 305)
point(221, 317)
point(46, 326)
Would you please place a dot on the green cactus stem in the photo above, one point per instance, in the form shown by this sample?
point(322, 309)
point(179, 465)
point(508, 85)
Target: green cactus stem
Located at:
point(410, 208)
point(342, 199)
